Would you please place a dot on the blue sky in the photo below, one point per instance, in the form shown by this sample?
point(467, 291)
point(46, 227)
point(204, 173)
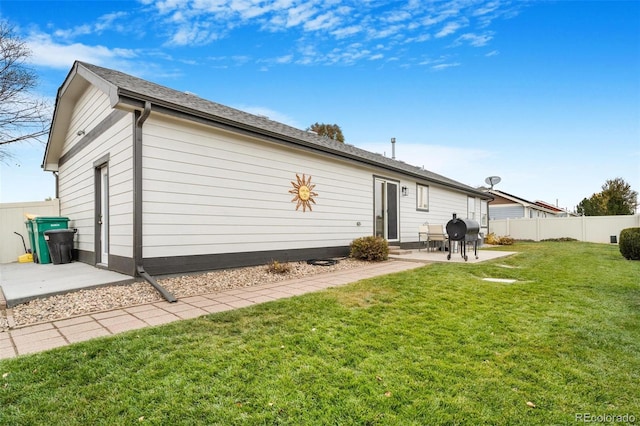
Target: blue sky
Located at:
point(544, 94)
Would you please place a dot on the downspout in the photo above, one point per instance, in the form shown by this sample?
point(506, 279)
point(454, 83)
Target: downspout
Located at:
point(140, 118)
point(55, 173)
point(488, 218)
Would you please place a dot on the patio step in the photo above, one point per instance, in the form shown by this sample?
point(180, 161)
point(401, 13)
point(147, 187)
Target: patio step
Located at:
point(397, 250)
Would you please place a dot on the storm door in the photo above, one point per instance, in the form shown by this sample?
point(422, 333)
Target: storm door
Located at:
point(386, 209)
point(102, 210)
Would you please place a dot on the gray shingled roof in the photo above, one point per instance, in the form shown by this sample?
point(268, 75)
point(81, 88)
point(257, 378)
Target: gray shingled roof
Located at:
point(137, 88)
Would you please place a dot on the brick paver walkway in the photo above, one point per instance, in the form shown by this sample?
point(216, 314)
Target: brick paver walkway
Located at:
point(44, 336)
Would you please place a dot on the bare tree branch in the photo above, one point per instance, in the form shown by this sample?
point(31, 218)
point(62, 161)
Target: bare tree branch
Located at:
point(22, 117)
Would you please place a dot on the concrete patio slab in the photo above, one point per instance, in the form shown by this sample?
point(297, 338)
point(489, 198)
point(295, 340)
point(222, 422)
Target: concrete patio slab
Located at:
point(21, 282)
point(425, 256)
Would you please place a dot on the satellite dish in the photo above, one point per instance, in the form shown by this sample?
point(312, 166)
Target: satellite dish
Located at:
point(493, 180)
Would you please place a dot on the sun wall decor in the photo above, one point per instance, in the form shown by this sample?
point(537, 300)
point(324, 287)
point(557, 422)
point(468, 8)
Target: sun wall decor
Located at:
point(303, 191)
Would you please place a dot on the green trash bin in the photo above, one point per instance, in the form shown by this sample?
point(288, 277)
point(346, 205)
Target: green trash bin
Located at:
point(32, 239)
point(40, 226)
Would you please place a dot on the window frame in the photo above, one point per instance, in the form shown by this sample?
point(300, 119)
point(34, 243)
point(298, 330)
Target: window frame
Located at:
point(419, 197)
point(471, 212)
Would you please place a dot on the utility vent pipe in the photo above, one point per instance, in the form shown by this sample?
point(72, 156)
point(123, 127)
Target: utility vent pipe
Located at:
point(393, 148)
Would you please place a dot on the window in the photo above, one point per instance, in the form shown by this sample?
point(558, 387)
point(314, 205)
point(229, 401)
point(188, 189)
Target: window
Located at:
point(483, 213)
point(422, 192)
point(471, 208)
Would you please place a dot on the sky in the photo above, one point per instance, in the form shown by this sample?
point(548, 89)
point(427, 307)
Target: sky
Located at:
point(543, 94)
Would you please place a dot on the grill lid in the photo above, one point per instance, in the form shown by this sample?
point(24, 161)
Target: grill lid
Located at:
point(462, 229)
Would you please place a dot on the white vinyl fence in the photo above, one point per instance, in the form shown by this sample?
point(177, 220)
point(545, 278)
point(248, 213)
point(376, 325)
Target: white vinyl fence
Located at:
point(595, 229)
point(12, 218)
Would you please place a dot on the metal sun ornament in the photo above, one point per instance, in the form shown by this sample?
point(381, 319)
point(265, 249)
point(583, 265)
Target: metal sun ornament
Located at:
point(303, 191)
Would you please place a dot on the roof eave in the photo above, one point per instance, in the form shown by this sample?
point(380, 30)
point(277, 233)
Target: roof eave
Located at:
point(132, 100)
point(63, 109)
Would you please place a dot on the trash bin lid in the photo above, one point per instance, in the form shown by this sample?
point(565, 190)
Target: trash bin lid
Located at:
point(59, 231)
point(41, 219)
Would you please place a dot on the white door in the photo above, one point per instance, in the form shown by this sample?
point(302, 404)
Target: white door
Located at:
point(103, 220)
point(386, 208)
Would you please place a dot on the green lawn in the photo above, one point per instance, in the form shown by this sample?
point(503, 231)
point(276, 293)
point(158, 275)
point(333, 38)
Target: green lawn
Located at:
point(436, 345)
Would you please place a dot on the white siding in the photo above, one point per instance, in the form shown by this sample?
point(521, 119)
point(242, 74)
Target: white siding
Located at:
point(443, 202)
point(76, 177)
point(91, 108)
point(506, 211)
point(206, 192)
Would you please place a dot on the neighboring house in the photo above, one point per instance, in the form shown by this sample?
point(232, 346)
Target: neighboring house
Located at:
point(159, 179)
point(507, 206)
point(558, 212)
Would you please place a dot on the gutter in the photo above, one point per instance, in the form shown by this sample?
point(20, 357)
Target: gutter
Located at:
point(140, 118)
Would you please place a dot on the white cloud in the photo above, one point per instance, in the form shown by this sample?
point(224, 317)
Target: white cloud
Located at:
point(474, 39)
point(192, 35)
point(397, 16)
point(445, 66)
point(439, 17)
point(466, 165)
point(109, 21)
point(386, 32)
point(166, 6)
point(48, 53)
point(440, 63)
point(284, 59)
point(320, 22)
point(487, 8)
point(103, 23)
point(300, 14)
point(450, 28)
point(348, 55)
point(418, 39)
point(347, 31)
point(73, 32)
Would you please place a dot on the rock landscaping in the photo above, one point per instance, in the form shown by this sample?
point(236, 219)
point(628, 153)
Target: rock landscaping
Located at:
point(117, 296)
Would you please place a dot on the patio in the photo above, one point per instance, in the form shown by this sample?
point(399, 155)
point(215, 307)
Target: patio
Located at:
point(21, 282)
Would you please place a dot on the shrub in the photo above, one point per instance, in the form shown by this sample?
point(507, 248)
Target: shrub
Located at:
point(506, 241)
point(630, 243)
point(276, 267)
point(559, 240)
point(373, 249)
point(494, 240)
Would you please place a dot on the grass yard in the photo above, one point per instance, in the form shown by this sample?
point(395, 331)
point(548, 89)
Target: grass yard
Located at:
point(437, 345)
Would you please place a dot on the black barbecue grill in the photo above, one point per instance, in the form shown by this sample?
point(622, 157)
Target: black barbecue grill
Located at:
point(465, 231)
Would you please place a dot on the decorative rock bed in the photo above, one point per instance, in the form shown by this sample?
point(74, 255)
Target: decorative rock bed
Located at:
point(118, 296)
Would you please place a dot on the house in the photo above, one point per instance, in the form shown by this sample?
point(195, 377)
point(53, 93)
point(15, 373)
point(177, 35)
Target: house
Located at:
point(558, 212)
point(163, 181)
point(508, 206)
